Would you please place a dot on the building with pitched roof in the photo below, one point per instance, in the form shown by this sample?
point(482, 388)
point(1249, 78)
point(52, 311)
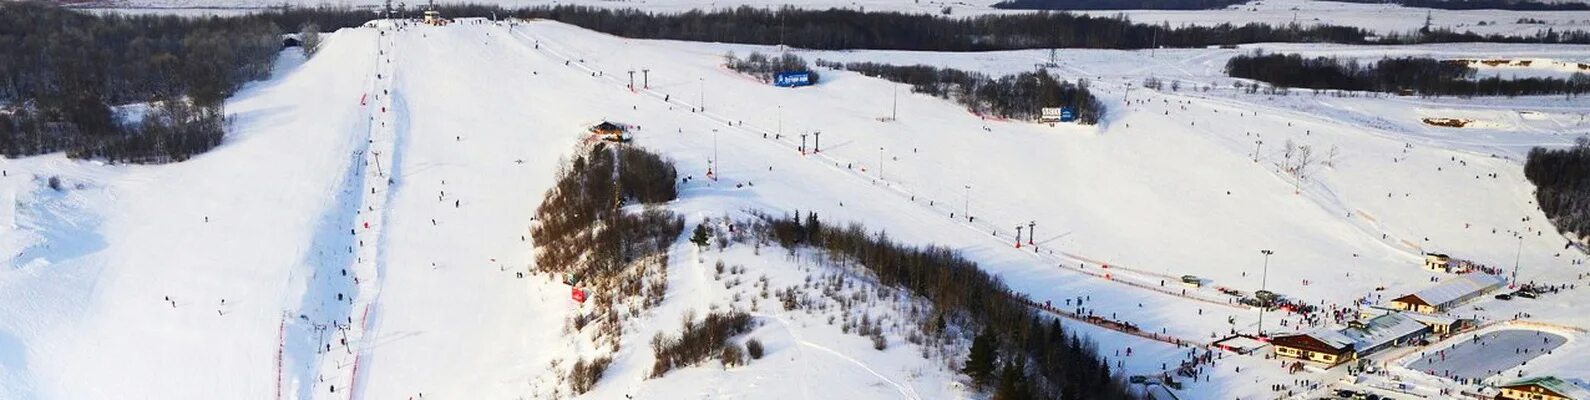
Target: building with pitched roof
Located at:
point(1449, 293)
point(1542, 388)
point(1360, 338)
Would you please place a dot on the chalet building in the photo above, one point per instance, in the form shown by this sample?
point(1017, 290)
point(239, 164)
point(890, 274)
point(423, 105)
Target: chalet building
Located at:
point(1542, 388)
point(1325, 347)
point(1437, 262)
point(1449, 294)
point(1360, 338)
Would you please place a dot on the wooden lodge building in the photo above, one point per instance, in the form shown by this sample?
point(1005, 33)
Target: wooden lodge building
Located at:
point(1360, 338)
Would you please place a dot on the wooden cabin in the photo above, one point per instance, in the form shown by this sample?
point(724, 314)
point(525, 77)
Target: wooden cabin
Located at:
point(1542, 388)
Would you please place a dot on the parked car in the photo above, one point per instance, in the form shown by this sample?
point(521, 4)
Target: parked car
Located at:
point(1504, 296)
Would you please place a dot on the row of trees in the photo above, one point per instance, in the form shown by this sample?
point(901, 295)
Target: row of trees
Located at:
point(1562, 185)
point(837, 29)
point(1424, 76)
point(1514, 5)
point(1116, 4)
point(64, 70)
point(1050, 362)
point(1019, 96)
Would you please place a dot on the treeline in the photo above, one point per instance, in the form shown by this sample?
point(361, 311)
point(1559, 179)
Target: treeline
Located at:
point(1116, 4)
point(1513, 5)
point(1562, 185)
point(837, 29)
point(1020, 96)
point(1050, 362)
point(764, 67)
point(1407, 75)
point(63, 72)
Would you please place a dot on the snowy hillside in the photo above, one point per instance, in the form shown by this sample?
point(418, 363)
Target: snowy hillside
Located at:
point(381, 193)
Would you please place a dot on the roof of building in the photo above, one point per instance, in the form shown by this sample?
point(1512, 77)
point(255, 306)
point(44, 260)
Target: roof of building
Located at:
point(1334, 338)
point(1319, 340)
point(1459, 287)
point(1382, 329)
point(1561, 387)
point(1428, 319)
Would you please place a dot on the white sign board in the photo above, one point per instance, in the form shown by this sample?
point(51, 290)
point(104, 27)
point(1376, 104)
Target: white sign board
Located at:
point(1050, 114)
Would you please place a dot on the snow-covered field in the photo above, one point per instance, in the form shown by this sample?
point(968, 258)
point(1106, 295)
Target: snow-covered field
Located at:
point(477, 116)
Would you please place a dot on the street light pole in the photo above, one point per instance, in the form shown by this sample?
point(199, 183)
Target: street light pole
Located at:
point(1263, 283)
point(966, 207)
point(1516, 257)
point(894, 111)
point(716, 170)
point(880, 162)
point(703, 101)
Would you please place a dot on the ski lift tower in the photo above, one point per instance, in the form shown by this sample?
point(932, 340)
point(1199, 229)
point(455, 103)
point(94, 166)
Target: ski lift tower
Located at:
point(1053, 60)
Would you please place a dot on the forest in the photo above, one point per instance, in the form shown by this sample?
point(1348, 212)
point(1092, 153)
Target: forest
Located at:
point(1511, 5)
point(836, 29)
point(65, 72)
point(1562, 186)
point(1404, 75)
point(1030, 355)
point(1020, 96)
point(1116, 4)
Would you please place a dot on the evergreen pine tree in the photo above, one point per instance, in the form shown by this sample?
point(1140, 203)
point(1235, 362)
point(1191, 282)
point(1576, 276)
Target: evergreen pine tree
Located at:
point(1012, 383)
point(699, 237)
point(980, 360)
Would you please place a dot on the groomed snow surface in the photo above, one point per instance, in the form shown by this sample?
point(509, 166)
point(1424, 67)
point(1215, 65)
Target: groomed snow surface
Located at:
point(477, 116)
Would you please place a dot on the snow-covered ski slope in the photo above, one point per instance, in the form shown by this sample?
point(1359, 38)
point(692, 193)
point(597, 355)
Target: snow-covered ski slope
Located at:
point(479, 114)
